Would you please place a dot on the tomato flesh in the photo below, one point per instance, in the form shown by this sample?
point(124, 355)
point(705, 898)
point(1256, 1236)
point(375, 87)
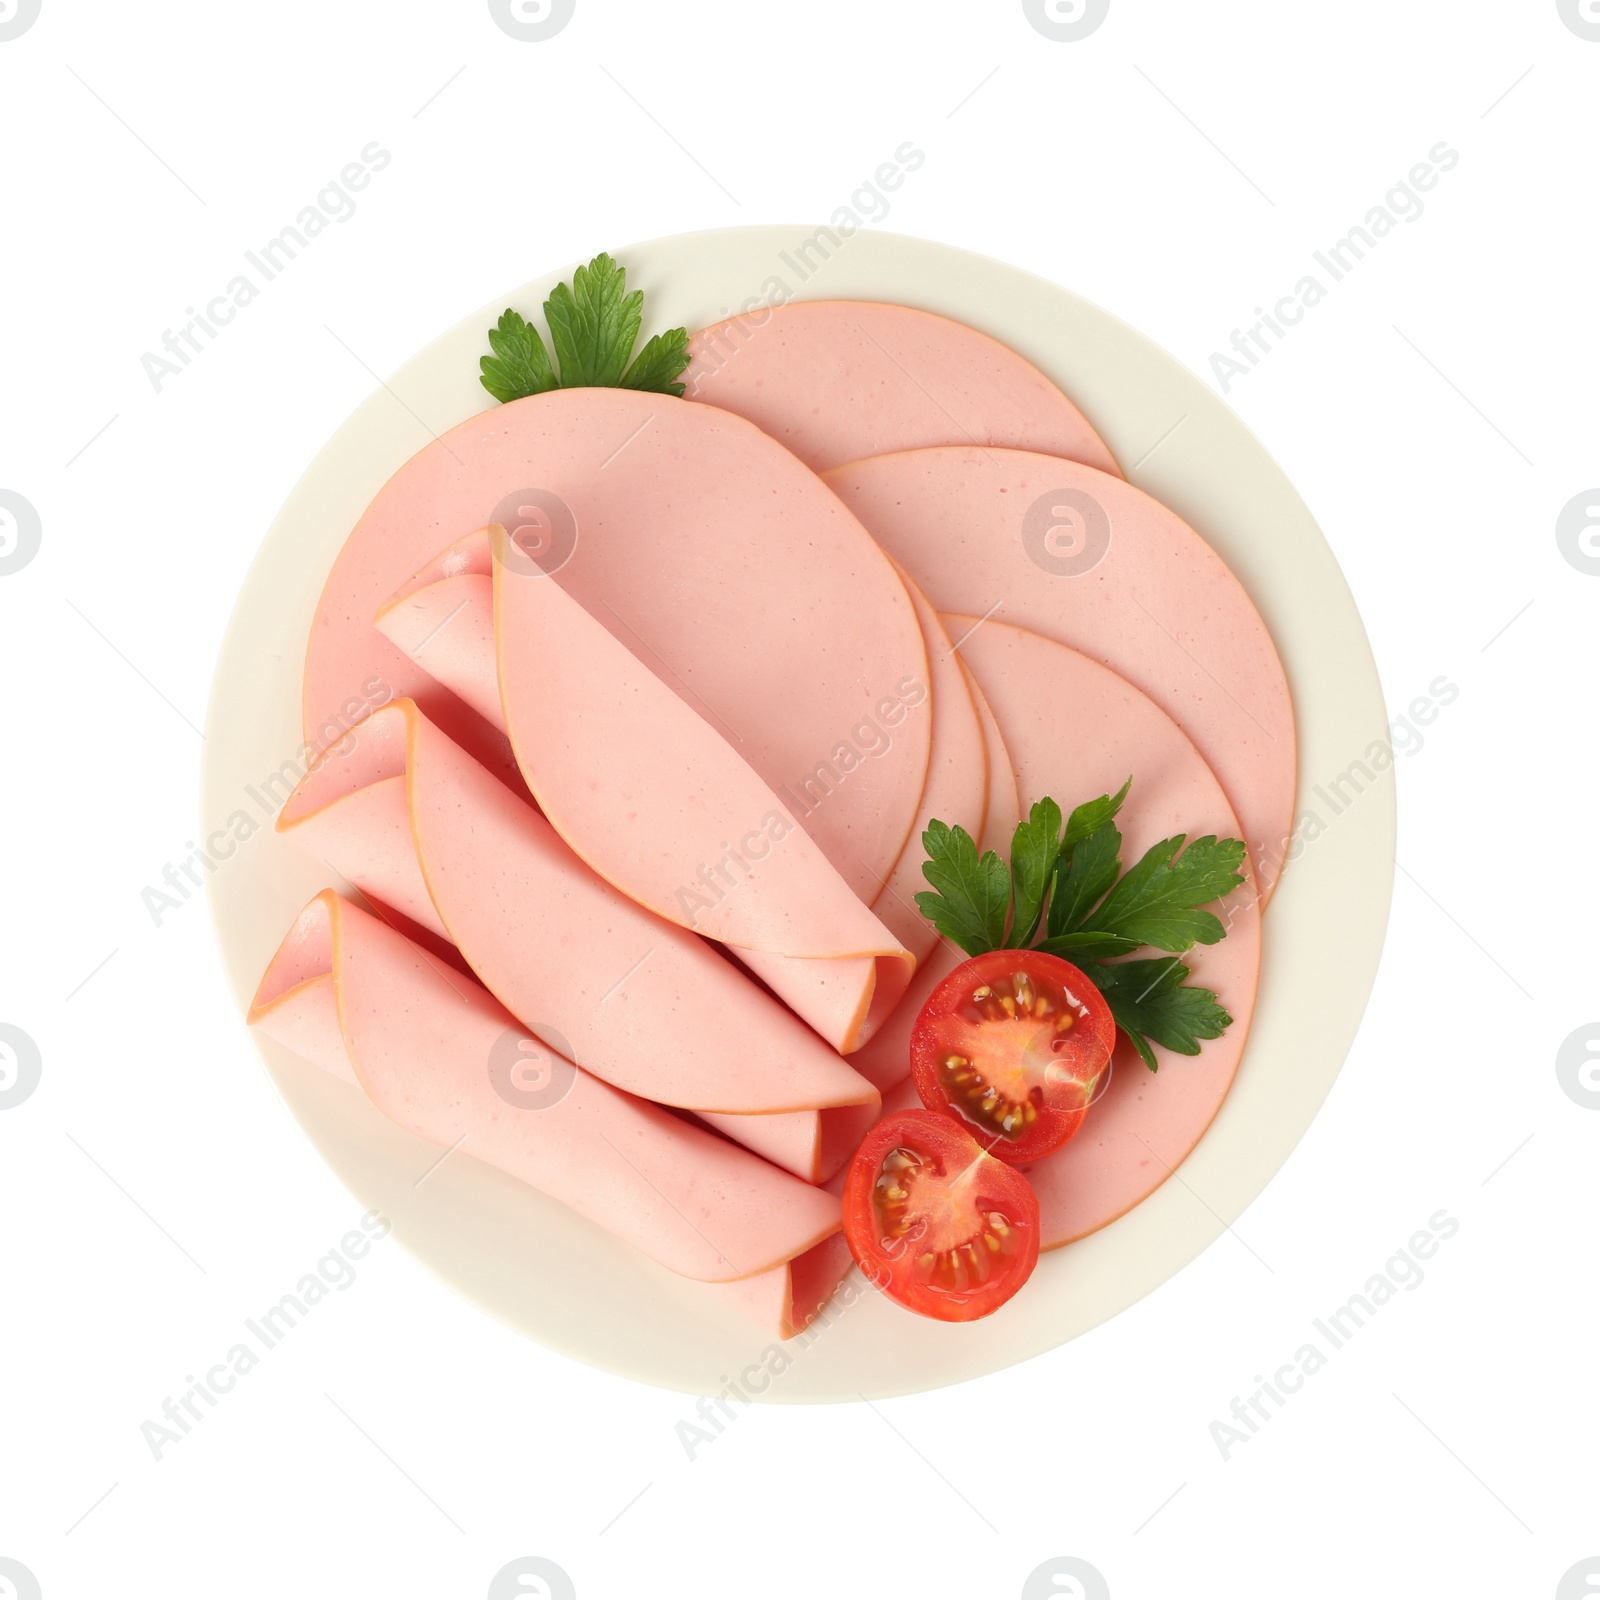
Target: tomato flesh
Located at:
point(935, 1222)
point(1015, 1045)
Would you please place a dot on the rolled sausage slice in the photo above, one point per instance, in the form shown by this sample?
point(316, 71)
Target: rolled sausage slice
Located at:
point(836, 380)
point(646, 790)
point(416, 824)
point(812, 1145)
point(1089, 561)
point(791, 1297)
point(658, 801)
point(437, 1054)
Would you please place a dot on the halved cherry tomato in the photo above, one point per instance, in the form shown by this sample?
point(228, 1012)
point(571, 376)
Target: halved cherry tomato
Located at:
point(1015, 1045)
point(938, 1225)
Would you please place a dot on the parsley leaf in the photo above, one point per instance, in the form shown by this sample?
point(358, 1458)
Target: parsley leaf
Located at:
point(1081, 947)
point(1151, 1002)
point(1037, 847)
point(661, 360)
point(969, 905)
point(1092, 816)
point(1034, 848)
point(520, 364)
point(1071, 879)
point(1157, 900)
point(594, 324)
point(1086, 873)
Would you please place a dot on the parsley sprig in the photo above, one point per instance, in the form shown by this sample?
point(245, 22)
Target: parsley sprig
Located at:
point(1065, 882)
point(594, 325)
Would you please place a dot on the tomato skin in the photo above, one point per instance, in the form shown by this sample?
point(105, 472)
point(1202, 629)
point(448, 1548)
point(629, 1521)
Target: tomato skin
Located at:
point(1043, 1065)
point(983, 1213)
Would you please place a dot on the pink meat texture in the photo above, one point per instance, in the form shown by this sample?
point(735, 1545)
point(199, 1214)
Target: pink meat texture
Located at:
point(836, 380)
point(645, 789)
point(1092, 562)
point(790, 1297)
point(886, 1059)
point(350, 994)
point(705, 548)
point(1075, 730)
point(419, 826)
point(811, 1144)
point(957, 787)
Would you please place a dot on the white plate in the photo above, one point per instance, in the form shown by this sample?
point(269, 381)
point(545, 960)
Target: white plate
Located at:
point(549, 1274)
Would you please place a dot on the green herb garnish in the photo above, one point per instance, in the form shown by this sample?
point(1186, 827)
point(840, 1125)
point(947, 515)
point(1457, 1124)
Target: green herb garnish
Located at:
point(1067, 878)
point(594, 325)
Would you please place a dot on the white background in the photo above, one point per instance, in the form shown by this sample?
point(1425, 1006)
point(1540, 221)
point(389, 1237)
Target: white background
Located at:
point(1437, 412)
